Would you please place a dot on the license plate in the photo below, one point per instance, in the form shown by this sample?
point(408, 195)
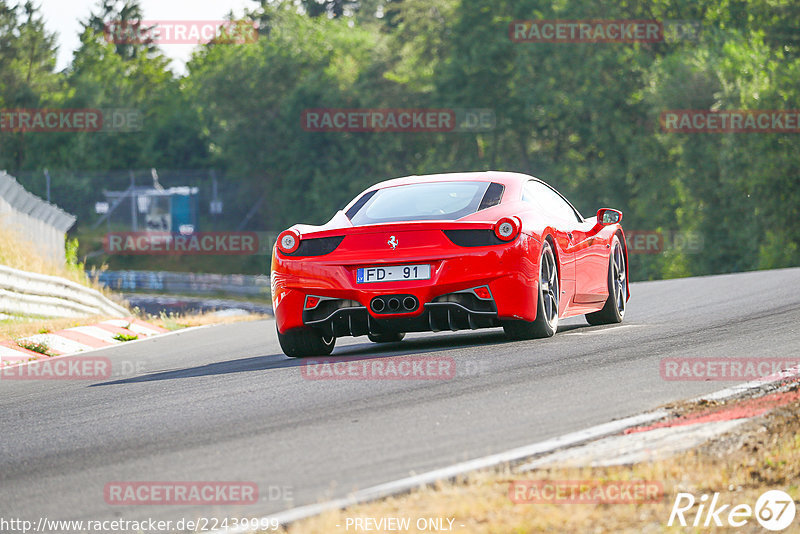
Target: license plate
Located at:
point(394, 273)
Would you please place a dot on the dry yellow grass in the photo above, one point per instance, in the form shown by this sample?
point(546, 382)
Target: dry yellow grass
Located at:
point(764, 455)
point(174, 322)
point(17, 253)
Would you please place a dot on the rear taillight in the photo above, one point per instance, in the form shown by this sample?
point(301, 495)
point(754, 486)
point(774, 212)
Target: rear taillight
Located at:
point(507, 228)
point(288, 241)
point(308, 246)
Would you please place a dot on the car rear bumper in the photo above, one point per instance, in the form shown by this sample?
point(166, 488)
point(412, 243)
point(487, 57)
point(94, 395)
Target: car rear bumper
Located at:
point(435, 317)
point(445, 302)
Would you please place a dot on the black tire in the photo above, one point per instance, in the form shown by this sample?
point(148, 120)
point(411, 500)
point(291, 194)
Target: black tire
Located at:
point(614, 309)
point(386, 338)
point(305, 342)
point(546, 322)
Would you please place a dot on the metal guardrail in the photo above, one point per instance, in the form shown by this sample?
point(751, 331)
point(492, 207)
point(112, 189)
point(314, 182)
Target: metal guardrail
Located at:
point(182, 304)
point(33, 294)
point(186, 283)
point(39, 222)
point(29, 204)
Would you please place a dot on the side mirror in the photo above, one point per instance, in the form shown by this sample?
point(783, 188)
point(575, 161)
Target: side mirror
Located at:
point(608, 216)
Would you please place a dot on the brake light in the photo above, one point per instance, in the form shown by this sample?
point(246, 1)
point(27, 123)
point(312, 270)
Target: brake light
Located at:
point(311, 302)
point(288, 241)
point(507, 228)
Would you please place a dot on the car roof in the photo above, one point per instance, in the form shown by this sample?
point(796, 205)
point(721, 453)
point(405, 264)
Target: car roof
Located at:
point(510, 179)
point(513, 182)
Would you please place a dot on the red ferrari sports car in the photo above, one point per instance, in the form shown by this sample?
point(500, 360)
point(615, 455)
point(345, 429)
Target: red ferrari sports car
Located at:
point(447, 252)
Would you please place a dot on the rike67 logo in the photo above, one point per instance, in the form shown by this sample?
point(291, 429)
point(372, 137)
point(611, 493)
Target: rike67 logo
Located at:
point(774, 510)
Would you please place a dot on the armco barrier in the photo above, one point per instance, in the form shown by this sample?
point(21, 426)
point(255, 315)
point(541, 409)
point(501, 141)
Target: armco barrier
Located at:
point(42, 224)
point(186, 283)
point(32, 294)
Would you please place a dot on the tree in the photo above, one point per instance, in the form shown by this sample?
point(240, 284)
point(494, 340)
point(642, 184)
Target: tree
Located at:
point(27, 58)
point(120, 22)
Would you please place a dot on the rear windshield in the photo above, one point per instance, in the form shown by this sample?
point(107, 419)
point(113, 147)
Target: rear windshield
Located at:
point(421, 202)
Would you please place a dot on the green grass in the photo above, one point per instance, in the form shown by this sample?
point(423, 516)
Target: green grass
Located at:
point(34, 346)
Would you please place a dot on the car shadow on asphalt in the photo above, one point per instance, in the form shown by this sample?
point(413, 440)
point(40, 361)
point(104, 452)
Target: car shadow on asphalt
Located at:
point(430, 343)
point(350, 352)
point(243, 365)
point(442, 341)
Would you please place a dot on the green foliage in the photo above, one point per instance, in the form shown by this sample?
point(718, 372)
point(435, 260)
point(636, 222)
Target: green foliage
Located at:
point(583, 116)
point(34, 346)
point(71, 255)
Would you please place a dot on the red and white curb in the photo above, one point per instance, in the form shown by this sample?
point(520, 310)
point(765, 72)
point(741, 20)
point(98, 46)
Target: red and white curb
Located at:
point(666, 438)
point(77, 340)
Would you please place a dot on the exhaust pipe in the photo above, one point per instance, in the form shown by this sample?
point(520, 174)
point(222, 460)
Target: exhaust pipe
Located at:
point(389, 304)
point(378, 305)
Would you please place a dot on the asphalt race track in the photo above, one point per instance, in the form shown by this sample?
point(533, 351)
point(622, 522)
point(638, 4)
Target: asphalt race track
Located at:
point(223, 403)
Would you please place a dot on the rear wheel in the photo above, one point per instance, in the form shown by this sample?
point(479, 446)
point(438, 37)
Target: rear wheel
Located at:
point(546, 322)
point(305, 342)
point(614, 309)
point(386, 338)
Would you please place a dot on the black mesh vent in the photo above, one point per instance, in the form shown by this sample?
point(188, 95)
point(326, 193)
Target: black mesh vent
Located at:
point(317, 246)
point(492, 196)
point(473, 238)
point(359, 204)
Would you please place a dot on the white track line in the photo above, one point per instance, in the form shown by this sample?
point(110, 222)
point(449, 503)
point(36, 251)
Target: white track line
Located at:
point(627, 449)
point(738, 389)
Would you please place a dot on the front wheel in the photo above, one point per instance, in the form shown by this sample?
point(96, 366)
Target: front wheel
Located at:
point(614, 309)
point(305, 342)
point(546, 322)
